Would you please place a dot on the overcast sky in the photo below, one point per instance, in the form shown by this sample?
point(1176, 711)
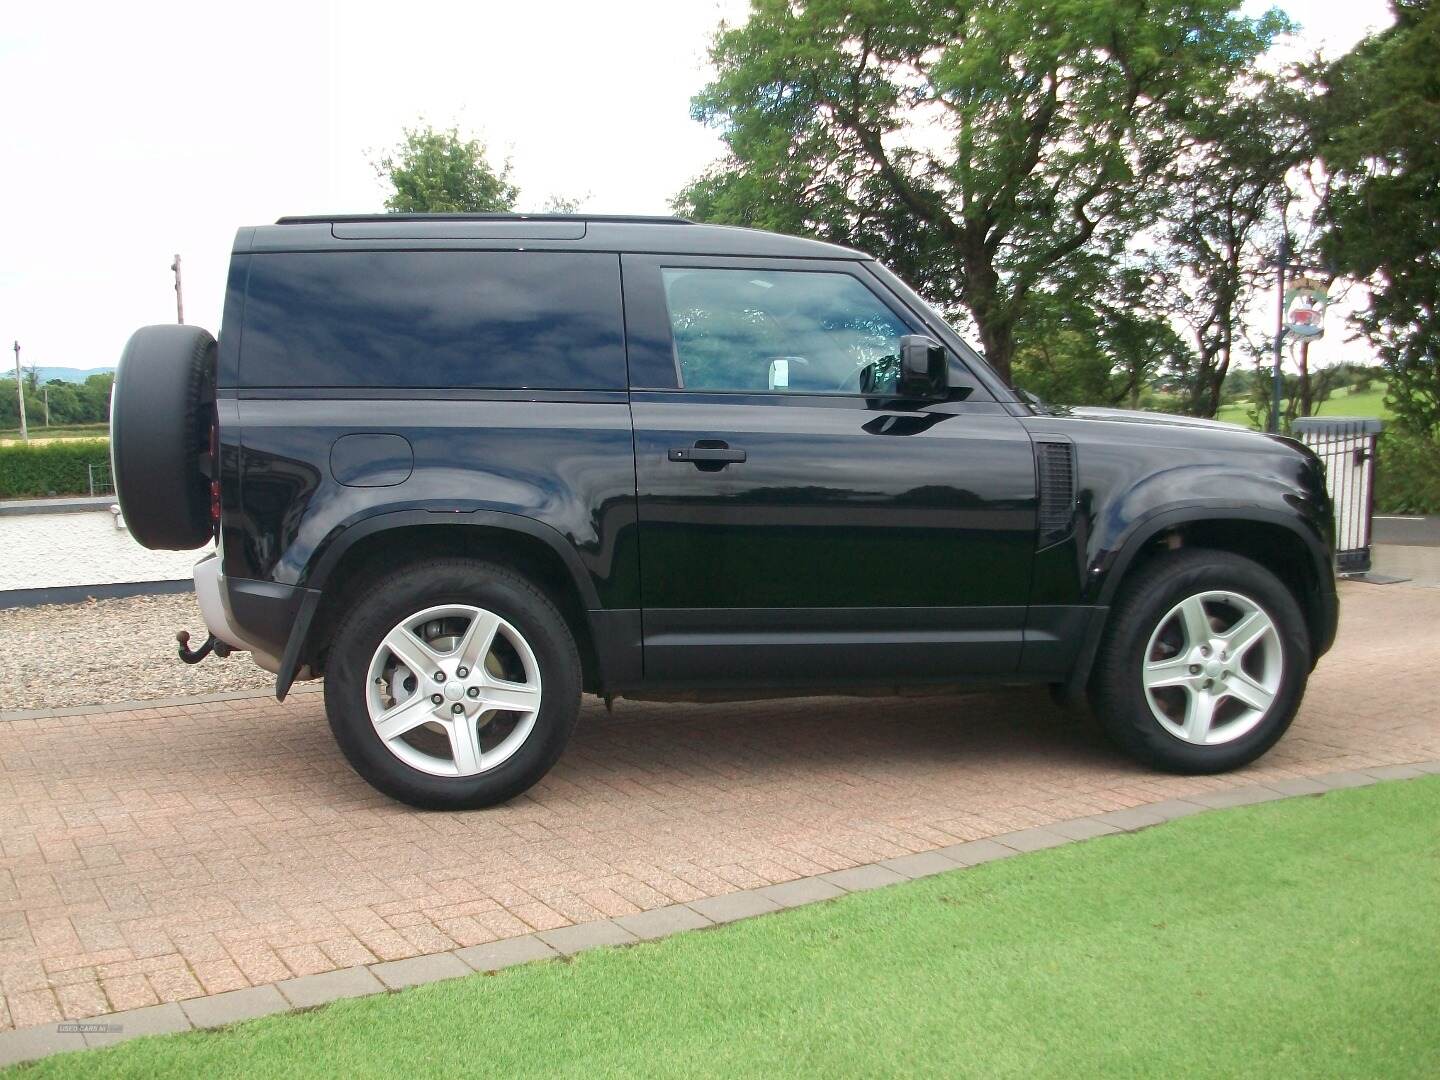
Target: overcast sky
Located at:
point(133, 131)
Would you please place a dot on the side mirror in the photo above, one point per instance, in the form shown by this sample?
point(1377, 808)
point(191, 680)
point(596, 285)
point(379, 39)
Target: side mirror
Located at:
point(922, 366)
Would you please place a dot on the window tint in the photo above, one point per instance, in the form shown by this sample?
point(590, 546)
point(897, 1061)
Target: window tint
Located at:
point(782, 330)
point(498, 320)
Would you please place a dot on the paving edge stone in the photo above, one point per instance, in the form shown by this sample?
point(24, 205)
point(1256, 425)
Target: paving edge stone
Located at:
point(308, 991)
point(155, 703)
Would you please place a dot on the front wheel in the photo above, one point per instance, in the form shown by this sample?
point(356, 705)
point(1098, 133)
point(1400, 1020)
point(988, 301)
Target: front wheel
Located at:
point(454, 684)
point(1204, 662)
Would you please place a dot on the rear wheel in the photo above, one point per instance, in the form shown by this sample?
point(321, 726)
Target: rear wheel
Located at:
point(453, 684)
point(1204, 662)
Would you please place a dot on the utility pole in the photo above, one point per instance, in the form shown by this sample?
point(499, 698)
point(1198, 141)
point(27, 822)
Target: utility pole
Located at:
point(1277, 388)
point(20, 390)
point(179, 295)
point(47, 404)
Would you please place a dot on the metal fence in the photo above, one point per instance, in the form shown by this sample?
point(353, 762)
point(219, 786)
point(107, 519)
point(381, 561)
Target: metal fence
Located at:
point(1347, 447)
point(98, 477)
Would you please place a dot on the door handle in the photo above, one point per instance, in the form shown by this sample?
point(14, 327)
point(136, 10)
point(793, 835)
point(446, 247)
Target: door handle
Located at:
point(707, 455)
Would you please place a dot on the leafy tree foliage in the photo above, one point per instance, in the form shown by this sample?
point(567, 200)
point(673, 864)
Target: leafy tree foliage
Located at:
point(70, 403)
point(439, 171)
point(1220, 224)
point(1096, 339)
point(1381, 145)
point(982, 149)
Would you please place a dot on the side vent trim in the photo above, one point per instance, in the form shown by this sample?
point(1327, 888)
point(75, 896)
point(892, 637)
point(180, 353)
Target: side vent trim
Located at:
point(1056, 481)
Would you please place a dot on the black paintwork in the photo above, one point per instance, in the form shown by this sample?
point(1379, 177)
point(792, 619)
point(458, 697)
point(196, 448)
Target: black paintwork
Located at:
point(860, 540)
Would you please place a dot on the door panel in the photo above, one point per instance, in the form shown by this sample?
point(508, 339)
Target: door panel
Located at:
point(792, 537)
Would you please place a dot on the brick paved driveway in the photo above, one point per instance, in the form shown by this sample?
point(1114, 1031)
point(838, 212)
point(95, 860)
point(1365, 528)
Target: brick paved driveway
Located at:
point(163, 854)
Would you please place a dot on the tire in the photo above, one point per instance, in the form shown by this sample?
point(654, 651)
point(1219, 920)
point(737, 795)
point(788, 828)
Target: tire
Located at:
point(364, 679)
point(160, 415)
point(1146, 691)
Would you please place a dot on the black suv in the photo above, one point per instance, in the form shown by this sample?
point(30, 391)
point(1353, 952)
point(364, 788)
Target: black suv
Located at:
point(467, 467)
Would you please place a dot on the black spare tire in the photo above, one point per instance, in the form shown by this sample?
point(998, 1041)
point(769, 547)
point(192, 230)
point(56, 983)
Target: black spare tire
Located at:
point(160, 415)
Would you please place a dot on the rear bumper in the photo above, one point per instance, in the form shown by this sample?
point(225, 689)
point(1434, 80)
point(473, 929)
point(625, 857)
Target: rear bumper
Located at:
point(251, 616)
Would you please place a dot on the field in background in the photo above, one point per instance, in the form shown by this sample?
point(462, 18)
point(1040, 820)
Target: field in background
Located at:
point(40, 433)
point(1342, 403)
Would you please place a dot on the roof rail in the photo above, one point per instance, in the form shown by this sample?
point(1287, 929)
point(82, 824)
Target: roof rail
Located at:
point(629, 219)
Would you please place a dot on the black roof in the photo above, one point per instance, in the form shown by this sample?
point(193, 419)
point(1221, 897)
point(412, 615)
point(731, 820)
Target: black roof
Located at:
point(629, 219)
point(558, 232)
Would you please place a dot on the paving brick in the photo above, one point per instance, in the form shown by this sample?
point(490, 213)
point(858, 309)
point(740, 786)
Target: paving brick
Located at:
point(804, 891)
point(1032, 839)
point(329, 986)
point(1085, 828)
point(1297, 785)
point(662, 922)
point(569, 940)
point(398, 974)
point(1131, 818)
point(861, 878)
point(925, 864)
point(1347, 779)
point(1394, 772)
point(1171, 809)
point(1241, 796)
point(195, 855)
point(507, 953)
point(732, 906)
point(974, 852)
point(31, 1044)
point(154, 1020)
point(234, 1005)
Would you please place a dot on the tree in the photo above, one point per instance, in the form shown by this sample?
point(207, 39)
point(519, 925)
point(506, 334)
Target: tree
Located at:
point(1303, 393)
point(434, 171)
point(1381, 145)
point(1226, 198)
point(979, 148)
point(1095, 339)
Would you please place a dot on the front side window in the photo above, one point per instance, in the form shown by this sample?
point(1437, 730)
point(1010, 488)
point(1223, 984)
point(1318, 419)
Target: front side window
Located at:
point(781, 330)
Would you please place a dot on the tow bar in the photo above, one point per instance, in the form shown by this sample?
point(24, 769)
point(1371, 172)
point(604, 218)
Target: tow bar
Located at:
point(210, 644)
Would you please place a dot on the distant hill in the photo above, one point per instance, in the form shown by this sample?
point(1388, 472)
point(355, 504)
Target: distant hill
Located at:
point(69, 374)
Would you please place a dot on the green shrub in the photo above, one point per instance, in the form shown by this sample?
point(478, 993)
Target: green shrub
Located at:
point(1407, 479)
point(51, 468)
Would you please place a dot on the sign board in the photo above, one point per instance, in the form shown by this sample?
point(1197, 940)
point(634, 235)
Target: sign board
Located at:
point(1305, 299)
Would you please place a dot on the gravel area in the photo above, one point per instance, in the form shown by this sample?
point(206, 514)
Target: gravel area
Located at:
point(106, 651)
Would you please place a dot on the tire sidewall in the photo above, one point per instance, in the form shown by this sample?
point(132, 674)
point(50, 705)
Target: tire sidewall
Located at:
point(431, 585)
point(160, 411)
point(1126, 711)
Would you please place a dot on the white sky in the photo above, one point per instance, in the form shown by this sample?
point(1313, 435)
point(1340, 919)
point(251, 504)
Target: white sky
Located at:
point(132, 131)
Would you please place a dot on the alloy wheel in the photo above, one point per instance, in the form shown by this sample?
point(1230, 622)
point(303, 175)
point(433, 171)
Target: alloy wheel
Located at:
point(1212, 668)
point(453, 690)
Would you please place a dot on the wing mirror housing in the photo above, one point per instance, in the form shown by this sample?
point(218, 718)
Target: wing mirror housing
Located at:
point(923, 368)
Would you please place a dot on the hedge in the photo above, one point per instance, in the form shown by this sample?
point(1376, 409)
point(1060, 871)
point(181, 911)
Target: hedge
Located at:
point(1407, 477)
point(51, 468)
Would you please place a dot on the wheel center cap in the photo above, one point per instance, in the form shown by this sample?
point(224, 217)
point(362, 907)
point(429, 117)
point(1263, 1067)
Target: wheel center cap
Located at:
point(453, 690)
point(1214, 668)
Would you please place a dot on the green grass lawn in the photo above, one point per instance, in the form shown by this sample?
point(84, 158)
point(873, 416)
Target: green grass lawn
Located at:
point(1342, 403)
point(1290, 939)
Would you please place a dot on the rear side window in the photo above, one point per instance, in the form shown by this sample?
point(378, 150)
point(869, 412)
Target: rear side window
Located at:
point(480, 319)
